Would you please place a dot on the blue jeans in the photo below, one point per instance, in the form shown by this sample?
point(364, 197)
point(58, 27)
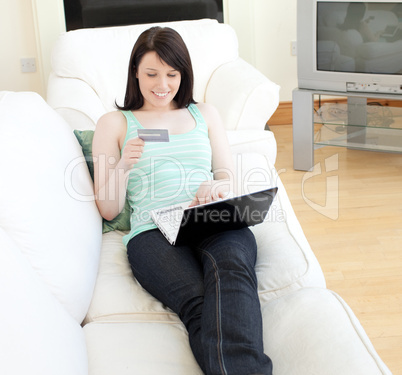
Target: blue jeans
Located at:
point(212, 286)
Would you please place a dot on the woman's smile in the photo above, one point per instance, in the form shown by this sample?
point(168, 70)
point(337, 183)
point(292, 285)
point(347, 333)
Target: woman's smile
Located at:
point(161, 94)
point(158, 81)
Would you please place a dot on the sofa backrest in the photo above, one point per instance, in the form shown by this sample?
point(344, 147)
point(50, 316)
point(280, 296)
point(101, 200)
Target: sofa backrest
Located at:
point(100, 56)
point(47, 207)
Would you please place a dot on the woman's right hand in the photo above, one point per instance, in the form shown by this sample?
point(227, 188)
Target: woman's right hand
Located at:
point(132, 153)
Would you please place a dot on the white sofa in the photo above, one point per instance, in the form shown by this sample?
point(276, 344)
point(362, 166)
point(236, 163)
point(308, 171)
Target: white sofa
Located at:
point(70, 304)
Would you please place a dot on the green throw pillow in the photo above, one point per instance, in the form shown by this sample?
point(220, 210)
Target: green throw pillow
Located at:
point(122, 220)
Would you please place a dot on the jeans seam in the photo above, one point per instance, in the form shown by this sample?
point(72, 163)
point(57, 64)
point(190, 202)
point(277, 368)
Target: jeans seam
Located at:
point(218, 315)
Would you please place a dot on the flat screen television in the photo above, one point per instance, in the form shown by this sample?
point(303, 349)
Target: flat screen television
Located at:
point(349, 46)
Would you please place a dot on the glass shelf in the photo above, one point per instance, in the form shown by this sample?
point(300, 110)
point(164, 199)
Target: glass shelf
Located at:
point(358, 137)
point(382, 130)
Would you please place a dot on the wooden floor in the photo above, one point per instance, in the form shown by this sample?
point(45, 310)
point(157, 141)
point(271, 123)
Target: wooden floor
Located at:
point(351, 213)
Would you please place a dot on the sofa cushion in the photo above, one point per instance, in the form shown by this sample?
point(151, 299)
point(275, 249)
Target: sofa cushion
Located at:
point(313, 331)
point(144, 348)
point(285, 261)
point(38, 336)
point(122, 220)
point(308, 331)
point(46, 199)
point(85, 138)
point(118, 296)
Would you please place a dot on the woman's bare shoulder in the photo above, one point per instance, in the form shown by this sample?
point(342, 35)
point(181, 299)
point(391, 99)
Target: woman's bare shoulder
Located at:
point(113, 118)
point(111, 127)
point(111, 123)
point(206, 108)
point(210, 114)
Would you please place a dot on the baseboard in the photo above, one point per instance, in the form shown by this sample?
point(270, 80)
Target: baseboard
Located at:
point(283, 114)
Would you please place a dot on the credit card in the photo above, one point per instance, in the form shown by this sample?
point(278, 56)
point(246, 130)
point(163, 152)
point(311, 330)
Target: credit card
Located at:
point(153, 135)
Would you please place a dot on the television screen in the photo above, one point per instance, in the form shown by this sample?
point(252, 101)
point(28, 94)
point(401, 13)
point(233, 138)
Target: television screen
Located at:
point(359, 37)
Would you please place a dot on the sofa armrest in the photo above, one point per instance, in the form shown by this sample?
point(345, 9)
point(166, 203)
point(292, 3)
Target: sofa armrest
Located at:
point(258, 141)
point(245, 98)
point(75, 101)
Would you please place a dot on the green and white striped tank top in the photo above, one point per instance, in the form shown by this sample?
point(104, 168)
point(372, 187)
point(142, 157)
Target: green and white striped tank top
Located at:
point(168, 172)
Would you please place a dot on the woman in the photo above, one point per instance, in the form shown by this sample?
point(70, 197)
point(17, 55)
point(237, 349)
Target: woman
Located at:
point(210, 283)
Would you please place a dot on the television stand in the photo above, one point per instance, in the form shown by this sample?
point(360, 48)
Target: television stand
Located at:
point(355, 124)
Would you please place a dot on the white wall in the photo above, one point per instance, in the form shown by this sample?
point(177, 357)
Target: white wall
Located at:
point(17, 40)
point(265, 28)
point(49, 23)
point(272, 26)
point(28, 28)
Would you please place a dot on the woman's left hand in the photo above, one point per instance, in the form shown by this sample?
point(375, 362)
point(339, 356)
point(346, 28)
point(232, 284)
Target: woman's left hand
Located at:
point(210, 191)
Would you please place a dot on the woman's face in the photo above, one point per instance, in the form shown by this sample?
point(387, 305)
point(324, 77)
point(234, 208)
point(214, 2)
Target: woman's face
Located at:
point(158, 82)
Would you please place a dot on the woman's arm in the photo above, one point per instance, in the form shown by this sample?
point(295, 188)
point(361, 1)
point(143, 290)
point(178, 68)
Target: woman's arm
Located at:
point(110, 169)
point(366, 33)
point(222, 162)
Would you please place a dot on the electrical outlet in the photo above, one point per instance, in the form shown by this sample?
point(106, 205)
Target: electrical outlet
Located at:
point(28, 65)
point(293, 48)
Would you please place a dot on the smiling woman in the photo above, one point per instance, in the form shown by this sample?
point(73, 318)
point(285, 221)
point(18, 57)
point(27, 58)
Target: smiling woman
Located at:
point(164, 53)
point(209, 281)
point(158, 82)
